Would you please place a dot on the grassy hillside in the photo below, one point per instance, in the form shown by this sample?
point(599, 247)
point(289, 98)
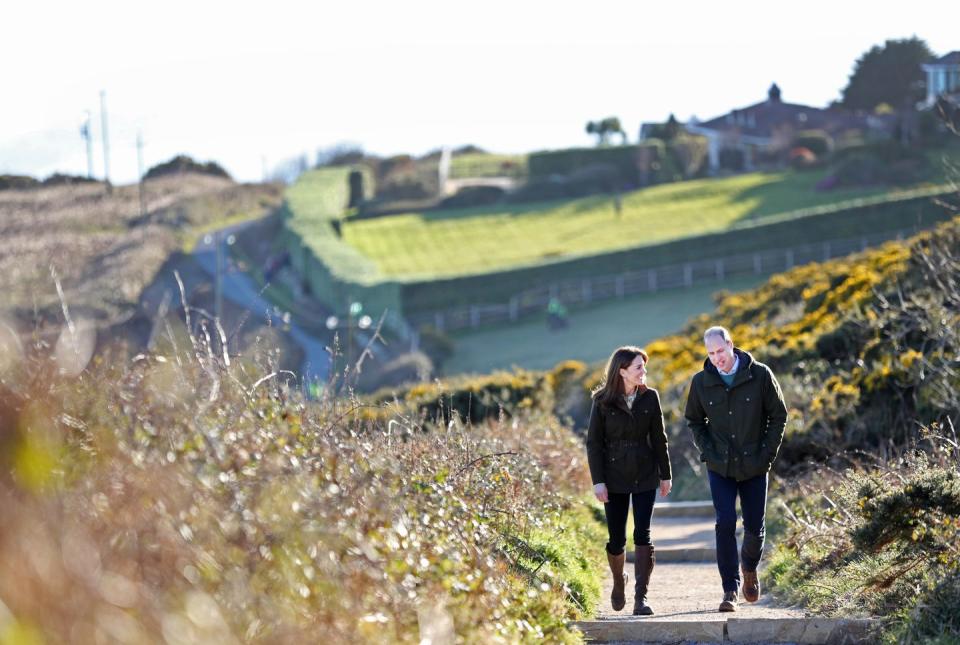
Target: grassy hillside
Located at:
point(593, 330)
point(418, 264)
point(101, 249)
point(476, 240)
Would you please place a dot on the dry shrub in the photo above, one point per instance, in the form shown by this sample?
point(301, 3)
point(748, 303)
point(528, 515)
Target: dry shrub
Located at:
point(197, 497)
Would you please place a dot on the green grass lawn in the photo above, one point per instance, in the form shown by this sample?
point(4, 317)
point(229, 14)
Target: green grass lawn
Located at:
point(594, 332)
point(449, 243)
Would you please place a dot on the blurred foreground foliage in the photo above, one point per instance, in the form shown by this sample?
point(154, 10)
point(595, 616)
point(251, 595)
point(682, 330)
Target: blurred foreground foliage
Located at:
point(190, 496)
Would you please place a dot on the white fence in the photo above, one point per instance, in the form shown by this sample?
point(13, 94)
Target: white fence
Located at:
point(609, 287)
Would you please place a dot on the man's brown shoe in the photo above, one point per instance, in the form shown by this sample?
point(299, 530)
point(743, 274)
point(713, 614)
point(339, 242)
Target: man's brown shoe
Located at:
point(729, 601)
point(751, 586)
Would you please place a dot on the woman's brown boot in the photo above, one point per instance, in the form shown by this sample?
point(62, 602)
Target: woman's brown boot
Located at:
point(643, 567)
point(617, 597)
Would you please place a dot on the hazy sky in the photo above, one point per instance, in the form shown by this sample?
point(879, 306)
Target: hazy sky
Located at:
point(242, 86)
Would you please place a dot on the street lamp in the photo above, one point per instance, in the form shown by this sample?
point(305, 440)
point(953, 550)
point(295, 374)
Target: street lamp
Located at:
point(363, 322)
point(216, 238)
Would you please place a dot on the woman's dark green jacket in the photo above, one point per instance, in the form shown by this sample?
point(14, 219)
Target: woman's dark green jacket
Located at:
point(627, 448)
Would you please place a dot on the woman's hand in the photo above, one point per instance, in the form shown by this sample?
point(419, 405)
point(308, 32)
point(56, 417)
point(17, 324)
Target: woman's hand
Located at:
point(665, 486)
point(600, 490)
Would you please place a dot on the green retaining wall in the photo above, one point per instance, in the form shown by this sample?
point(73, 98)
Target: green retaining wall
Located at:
point(319, 199)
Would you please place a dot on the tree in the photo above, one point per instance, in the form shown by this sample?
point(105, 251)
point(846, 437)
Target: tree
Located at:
point(355, 181)
point(890, 74)
point(340, 154)
point(667, 131)
point(605, 128)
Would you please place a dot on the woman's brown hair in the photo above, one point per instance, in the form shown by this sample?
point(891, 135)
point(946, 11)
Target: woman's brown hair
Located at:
point(612, 385)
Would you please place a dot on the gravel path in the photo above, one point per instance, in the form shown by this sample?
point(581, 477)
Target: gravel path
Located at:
point(689, 591)
point(685, 594)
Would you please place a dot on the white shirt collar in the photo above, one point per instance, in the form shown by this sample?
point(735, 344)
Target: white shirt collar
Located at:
point(733, 370)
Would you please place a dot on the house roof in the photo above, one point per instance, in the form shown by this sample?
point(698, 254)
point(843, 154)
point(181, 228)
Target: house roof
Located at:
point(764, 119)
point(953, 58)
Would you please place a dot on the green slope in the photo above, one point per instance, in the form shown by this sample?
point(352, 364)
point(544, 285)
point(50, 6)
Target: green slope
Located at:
point(466, 241)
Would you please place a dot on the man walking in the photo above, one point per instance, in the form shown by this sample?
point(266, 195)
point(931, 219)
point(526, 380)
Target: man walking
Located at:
point(736, 412)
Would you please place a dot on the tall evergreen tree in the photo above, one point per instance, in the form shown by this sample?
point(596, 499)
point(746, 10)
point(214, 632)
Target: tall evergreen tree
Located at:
point(890, 74)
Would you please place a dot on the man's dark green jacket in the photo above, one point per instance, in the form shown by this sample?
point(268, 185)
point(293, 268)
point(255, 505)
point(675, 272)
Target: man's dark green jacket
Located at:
point(737, 428)
point(627, 447)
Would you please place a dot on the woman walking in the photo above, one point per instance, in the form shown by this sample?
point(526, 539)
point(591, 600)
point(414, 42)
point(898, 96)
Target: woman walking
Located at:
point(627, 452)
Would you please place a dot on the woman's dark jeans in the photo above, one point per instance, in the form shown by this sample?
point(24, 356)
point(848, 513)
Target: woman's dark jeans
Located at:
point(753, 502)
point(616, 510)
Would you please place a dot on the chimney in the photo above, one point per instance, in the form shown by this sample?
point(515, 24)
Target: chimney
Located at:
point(773, 94)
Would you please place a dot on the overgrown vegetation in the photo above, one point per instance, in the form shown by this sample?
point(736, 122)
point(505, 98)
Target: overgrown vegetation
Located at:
point(883, 540)
point(199, 498)
point(865, 347)
point(181, 164)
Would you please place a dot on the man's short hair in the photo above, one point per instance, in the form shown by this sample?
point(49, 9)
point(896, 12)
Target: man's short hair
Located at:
point(717, 330)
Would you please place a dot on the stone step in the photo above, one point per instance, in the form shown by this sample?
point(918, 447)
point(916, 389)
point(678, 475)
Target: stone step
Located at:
point(729, 630)
point(683, 509)
point(683, 539)
point(640, 629)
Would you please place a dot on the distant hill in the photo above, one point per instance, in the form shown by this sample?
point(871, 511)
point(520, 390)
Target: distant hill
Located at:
point(21, 182)
point(101, 249)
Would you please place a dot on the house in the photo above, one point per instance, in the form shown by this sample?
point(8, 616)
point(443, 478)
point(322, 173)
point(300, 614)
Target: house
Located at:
point(943, 78)
point(763, 132)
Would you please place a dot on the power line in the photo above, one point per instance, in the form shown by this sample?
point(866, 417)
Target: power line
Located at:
point(143, 208)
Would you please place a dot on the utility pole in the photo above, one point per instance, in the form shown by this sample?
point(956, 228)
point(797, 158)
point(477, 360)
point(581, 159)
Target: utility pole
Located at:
point(220, 240)
point(106, 142)
point(443, 170)
point(85, 133)
point(143, 208)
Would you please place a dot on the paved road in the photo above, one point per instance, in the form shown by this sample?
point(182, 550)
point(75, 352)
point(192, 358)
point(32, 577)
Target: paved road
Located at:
point(239, 288)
